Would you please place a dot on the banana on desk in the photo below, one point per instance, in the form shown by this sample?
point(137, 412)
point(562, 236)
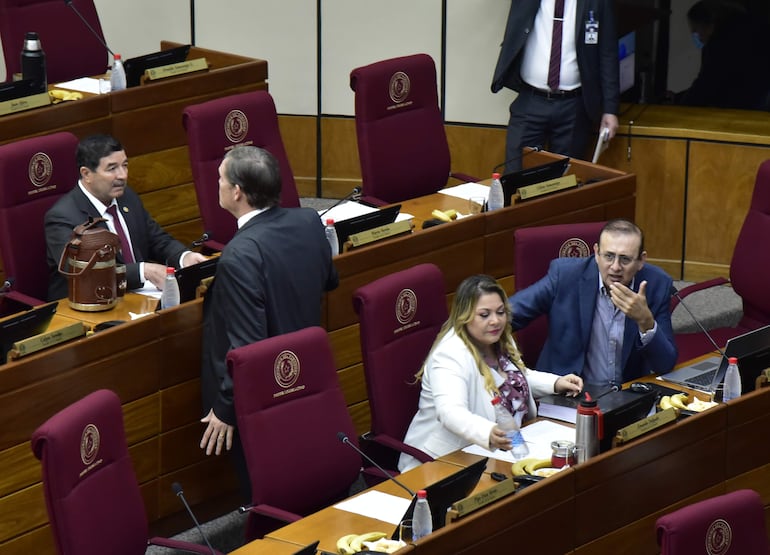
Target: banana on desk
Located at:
point(353, 543)
point(445, 215)
point(60, 95)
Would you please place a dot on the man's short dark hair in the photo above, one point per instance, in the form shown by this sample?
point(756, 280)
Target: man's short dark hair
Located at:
point(95, 147)
point(624, 227)
point(257, 173)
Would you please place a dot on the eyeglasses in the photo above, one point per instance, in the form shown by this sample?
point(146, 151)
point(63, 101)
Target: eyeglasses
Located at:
point(609, 258)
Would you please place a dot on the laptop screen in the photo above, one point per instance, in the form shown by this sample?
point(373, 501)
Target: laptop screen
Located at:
point(21, 326)
point(135, 67)
point(357, 224)
point(752, 350)
point(529, 176)
point(190, 277)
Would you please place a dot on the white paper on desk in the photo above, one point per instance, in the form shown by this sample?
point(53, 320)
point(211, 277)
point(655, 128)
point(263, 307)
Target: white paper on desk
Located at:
point(376, 504)
point(84, 84)
point(538, 437)
point(149, 290)
point(466, 191)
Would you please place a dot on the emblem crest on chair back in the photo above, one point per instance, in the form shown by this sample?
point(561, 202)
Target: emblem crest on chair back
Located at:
point(34, 174)
point(400, 316)
point(289, 408)
point(213, 128)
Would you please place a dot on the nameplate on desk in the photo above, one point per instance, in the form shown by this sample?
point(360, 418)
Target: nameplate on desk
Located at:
point(645, 425)
point(44, 340)
point(24, 103)
point(480, 499)
point(172, 70)
point(380, 232)
point(558, 184)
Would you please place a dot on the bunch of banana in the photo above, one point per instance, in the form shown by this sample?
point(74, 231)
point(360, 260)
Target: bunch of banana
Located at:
point(677, 401)
point(699, 406)
point(529, 466)
point(445, 215)
point(353, 543)
point(59, 95)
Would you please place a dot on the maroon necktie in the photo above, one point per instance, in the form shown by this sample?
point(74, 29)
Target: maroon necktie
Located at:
point(554, 67)
point(125, 246)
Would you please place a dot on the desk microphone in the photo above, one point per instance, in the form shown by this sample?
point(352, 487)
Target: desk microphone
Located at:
point(7, 284)
point(354, 195)
point(675, 293)
point(203, 238)
point(93, 32)
point(517, 157)
point(344, 439)
point(177, 487)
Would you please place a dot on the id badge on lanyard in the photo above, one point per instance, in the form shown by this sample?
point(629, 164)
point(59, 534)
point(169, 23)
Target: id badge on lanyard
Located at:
point(592, 29)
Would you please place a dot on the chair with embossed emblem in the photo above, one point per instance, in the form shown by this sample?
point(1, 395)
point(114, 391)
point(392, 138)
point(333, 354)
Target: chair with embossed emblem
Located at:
point(92, 496)
point(34, 174)
point(730, 524)
point(216, 126)
point(289, 408)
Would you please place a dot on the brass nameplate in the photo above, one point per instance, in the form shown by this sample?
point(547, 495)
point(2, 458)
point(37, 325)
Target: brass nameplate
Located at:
point(563, 182)
point(380, 232)
point(24, 103)
point(171, 70)
point(482, 498)
point(44, 340)
point(645, 425)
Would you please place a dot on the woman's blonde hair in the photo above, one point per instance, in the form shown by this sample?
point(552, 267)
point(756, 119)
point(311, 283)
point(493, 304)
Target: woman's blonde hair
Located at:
point(463, 311)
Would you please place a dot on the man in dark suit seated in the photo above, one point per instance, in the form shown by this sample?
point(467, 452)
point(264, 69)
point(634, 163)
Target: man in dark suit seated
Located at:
point(103, 192)
point(562, 59)
point(270, 280)
point(608, 315)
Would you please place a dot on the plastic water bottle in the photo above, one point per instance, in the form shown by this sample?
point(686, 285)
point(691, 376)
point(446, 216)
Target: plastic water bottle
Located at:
point(508, 424)
point(331, 236)
point(732, 380)
point(170, 295)
point(117, 74)
point(495, 199)
point(33, 62)
point(422, 521)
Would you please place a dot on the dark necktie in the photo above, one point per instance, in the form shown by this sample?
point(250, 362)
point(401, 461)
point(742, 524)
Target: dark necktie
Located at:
point(554, 67)
point(125, 246)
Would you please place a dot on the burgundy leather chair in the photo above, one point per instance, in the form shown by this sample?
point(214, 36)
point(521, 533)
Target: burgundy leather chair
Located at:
point(91, 493)
point(730, 524)
point(290, 408)
point(749, 275)
point(534, 249)
point(400, 316)
point(34, 174)
point(213, 128)
point(71, 51)
point(402, 143)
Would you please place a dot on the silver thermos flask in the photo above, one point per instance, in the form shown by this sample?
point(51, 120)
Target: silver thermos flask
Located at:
point(588, 429)
point(33, 62)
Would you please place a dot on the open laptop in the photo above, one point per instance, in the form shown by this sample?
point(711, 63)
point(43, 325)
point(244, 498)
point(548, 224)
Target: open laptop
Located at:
point(21, 326)
point(529, 176)
point(357, 224)
point(752, 350)
point(135, 67)
point(309, 549)
point(445, 492)
point(190, 277)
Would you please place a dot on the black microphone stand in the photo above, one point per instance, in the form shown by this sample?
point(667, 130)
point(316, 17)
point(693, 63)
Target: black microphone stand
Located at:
point(354, 195)
point(517, 157)
point(93, 32)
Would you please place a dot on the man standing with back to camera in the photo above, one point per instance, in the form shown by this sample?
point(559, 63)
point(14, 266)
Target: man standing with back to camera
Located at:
point(561, 56)
point(270, 280)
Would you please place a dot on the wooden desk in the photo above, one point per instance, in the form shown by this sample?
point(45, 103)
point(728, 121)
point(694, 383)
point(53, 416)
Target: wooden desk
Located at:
point(148, 122)
point(695, 171)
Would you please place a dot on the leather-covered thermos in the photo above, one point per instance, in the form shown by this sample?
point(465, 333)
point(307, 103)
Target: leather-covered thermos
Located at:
point(589, 428)
point(88, 261)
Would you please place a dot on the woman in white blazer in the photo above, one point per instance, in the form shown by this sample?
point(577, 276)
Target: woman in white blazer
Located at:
point(473, 360)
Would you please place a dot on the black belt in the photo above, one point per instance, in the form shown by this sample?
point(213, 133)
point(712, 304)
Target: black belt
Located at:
point(551, 94)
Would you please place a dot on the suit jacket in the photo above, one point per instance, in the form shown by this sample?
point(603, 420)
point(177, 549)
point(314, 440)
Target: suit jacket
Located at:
point(150, 243)
point(455, 409)
point(567, 294)
point(270, 280)
point(598, 63)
